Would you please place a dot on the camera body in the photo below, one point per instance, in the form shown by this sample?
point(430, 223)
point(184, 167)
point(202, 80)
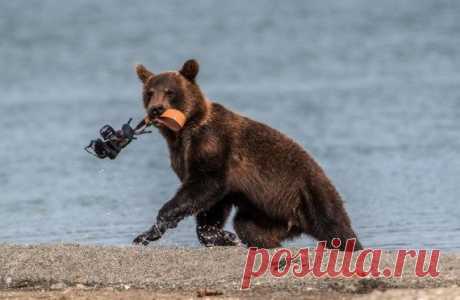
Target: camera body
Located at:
point(112, 141)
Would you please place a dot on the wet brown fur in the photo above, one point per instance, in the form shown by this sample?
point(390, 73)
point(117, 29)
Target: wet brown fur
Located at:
point(226, 160)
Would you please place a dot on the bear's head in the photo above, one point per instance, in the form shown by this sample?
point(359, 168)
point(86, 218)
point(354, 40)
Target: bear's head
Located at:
point(176, 89)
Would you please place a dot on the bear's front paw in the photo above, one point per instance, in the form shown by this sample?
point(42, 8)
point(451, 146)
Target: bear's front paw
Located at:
point(151, 235)
point(210, 236)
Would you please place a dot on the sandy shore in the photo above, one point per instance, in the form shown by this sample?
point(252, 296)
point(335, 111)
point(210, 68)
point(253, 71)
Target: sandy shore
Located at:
point(94, 272)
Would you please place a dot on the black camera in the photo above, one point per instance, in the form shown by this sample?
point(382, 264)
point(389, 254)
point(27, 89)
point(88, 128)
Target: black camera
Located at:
point(114, 140)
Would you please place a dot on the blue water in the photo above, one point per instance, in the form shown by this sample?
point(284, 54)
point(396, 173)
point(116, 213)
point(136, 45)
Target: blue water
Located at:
point(372, 90)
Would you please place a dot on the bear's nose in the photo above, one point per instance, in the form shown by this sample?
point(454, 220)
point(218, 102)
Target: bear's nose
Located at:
point(156, 111)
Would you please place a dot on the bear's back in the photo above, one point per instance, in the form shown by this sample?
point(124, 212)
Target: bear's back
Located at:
point(263, 162)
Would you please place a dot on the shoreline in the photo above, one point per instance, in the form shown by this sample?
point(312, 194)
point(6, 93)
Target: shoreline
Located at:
point(106, 272)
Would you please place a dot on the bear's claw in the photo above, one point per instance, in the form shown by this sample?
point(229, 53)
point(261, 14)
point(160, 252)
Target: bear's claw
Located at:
point(151, 235)
point(210, 238)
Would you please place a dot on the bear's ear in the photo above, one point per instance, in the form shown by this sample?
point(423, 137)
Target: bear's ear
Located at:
point(143, 73)
point(190, 69)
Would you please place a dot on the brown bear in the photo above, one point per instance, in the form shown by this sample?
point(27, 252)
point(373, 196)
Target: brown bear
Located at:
point(226, 160)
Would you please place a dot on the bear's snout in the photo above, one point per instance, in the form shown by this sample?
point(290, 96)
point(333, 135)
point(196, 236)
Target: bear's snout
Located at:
point(156, 111)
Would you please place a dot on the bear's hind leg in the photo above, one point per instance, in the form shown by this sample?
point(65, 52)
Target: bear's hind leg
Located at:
point(257, 230)
point(325, 217)
point(327, 230)
point(210, 223)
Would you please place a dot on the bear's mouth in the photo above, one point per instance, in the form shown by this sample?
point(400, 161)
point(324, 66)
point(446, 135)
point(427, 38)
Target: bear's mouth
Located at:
point(158, 122)
point(162, 122)
point(172, 119)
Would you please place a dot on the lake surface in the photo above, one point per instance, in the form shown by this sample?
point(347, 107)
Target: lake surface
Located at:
point(371, 89)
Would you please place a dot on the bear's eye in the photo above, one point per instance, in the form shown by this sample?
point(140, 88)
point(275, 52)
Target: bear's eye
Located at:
point(149, 93)
point(169, 93)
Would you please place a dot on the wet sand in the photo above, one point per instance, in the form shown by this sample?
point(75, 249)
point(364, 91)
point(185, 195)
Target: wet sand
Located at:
point(96, 272)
